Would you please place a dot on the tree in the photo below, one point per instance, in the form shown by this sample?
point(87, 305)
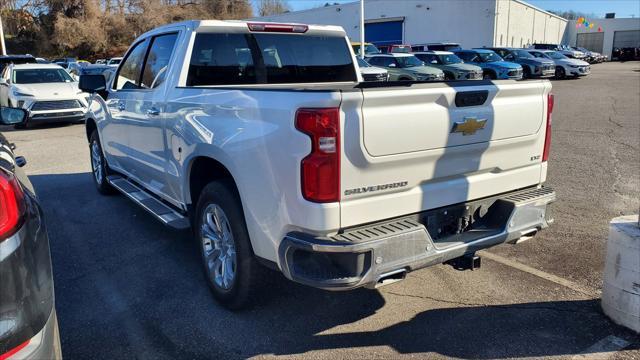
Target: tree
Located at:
point(273, 7)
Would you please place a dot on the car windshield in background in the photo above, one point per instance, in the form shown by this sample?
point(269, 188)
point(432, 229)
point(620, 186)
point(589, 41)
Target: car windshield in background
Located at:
point(523, 54)
point(555, 55)
point(450, 59)
point(41, 76)
point(235, 59)
point(363, 63)
point(490, 57)
point(115, 61)
point(409, 61)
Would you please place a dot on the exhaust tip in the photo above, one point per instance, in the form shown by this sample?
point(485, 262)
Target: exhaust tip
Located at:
point(391, 277)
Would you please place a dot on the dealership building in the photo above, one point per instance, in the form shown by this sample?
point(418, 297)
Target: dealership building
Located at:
point(471, 23)
point(605, 35)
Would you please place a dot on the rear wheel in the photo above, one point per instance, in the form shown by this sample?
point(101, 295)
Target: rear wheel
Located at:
point(99, 167)
point(230, 268)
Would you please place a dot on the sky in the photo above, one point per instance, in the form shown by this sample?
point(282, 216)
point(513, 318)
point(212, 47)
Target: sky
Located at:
point(622, 8)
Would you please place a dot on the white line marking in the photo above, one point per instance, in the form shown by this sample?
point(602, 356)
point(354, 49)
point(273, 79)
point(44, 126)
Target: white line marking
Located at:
point(603, 349)
point(539, 273)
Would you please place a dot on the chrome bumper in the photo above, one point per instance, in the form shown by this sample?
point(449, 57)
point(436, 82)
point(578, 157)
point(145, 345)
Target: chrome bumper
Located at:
point(365, 255)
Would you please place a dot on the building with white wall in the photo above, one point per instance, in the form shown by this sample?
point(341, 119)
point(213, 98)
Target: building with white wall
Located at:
point(614, 33)
point(472, 23)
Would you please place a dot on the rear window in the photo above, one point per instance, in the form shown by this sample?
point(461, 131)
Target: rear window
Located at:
point(241, 59)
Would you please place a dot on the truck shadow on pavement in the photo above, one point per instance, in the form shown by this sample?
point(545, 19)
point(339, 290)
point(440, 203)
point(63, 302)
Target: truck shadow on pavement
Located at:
point(127, 287)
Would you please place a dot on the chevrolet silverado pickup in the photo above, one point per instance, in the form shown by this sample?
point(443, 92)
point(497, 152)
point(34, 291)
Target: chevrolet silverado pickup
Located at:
point(264, 140)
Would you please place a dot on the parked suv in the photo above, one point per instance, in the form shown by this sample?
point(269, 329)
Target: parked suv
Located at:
point(452, 66)
point(28, 323)
point(443, 46)
point(532, 67)
point(493, 66)
point(261, 138)
point(406, 67)
point(563, 49)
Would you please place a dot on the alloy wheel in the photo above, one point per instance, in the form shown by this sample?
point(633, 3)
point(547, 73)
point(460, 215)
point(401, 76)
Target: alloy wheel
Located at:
point(218, 246)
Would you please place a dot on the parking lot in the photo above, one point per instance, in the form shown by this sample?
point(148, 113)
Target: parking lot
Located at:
point(128, 287)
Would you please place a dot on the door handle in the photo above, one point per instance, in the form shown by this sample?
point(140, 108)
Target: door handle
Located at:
point(153, 111)
point(121, 106)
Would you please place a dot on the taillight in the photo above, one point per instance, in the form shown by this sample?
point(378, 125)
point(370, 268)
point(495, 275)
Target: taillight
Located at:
point(547, 137)
point(272, 27)
point(14, 351)
point(321, 168)
point(12, 206)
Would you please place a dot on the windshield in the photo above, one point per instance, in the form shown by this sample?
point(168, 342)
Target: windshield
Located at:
point(363, 63)
point(490, 57)
point(368, 49)
point(522, 54)
point(450, 59)
point(555, 55)
point(41, 76)
point(409, 61)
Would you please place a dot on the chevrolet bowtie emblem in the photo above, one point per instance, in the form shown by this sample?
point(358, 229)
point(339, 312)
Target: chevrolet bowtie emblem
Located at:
point(469, 126)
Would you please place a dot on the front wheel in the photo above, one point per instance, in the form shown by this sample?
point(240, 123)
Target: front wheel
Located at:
point(560, 73)
point(526, 72)
point(99, 166)
point(229, 265)
point(488, 76)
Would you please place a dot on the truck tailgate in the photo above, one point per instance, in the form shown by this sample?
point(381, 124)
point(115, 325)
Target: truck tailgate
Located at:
point(410, 149)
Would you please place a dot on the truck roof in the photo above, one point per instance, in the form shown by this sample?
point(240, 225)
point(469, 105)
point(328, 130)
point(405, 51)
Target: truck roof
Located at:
point(434, 52)
point(204, 25)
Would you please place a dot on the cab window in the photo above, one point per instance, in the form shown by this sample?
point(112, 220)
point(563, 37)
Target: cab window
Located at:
point(128, 76)
point(155, 68)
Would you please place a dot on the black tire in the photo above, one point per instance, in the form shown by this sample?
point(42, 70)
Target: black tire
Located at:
point(99, 177)
point(526, 72)
point(20, 126)
point(248, 273)
point(560, 73)
point(488, 76)
point(449, 76)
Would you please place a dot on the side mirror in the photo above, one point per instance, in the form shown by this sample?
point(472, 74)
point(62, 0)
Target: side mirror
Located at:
point(92, 83)
point(12, 116)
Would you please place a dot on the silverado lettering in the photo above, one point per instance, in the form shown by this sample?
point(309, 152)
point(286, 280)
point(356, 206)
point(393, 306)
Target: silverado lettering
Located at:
point(375, 188)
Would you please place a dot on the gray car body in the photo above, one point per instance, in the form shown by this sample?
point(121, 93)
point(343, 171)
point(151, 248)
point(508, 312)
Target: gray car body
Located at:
point(457, 71)
point(27, 310)
point(415, 73)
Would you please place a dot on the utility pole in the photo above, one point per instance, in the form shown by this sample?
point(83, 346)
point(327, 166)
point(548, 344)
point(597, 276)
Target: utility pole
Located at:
point(361, 29)
point(2, 45)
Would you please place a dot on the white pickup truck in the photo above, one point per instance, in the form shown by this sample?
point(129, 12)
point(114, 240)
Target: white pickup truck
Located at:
point(262, 138)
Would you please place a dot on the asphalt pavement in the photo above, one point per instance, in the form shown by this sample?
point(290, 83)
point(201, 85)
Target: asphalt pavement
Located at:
point(127, 287)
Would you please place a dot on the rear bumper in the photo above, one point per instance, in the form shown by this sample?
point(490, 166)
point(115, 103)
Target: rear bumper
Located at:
point(44, 345)
point(365, 255)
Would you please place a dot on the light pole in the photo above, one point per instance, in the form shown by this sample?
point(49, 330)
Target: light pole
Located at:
point(362, 29)
point(4, 48)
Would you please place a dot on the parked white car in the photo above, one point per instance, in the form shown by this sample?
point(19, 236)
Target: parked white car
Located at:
point(372, 73)
point(565, 66)
point(46, 91)
point(115, 61)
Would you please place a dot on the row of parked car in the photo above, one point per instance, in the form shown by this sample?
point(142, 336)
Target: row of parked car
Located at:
point(448, 61)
